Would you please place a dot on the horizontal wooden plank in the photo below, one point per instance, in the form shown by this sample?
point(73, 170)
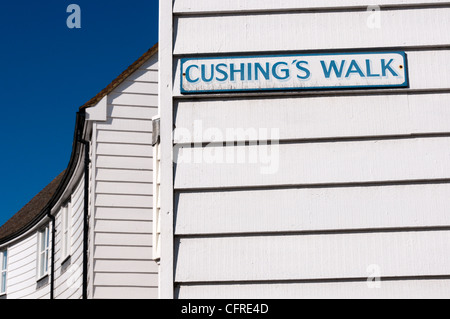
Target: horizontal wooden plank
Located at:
point(124, 188)
point(144, 76)
point(124, 137)
point(151, 64)
point(125, 293)
point(124, 227)
point(407, 289)
point(124, 149)
point(123, 201)
point(134, 238)
point(311, 31)
point(128, 280)
point(77, 200)
point(126, 162)
point(78, 192)
point(19, 259)
point(313, 163)
point(69, 275)
point(70, 288)
point(294, 210)
point(122, 253)
point(137, 87)
point(25, 290)
point(428, 70)
point(311, 117)
point(125, 266)
point(120, 175)
point(132, 112)
point(207, 6)
point(112, 124)
point(26, 273)
point(77, 209)
point(144, 214)
point(22, 250)
point(312, 257)
point(133, 99)
point(22, 270)
point(22, 266)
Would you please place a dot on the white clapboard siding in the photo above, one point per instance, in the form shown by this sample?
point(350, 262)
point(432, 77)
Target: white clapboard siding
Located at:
point(408, 289)
point(28, 275)
point(130, 112)
point(428, 70)
point(123, 201)
point(133, 125)
point(124, 188)
point(124, 137)
point(21, 263)
point(124, 150)
point(303, 257)
point(313, 163)
point(115, 239)
point(312, 117)
point(108, 292)
point(138, 87)
point(22, 274)
point(128, 99)
point(322, 209)
point(311, 31)
point(21, 252)
point(122, 253)
point(125, 266)
point(124, 162)
point(22, 268)
point(122, 226)
point(151, 64)
point(133, 280)
point(360, 177)
point(123, 175)
point(143, 75)
point(68, 276)
point(26, 267)
point(231, 6)
point(128, 213)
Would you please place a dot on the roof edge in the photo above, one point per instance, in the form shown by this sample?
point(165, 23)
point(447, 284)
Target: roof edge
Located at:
point(121, 78)
point(67, 175)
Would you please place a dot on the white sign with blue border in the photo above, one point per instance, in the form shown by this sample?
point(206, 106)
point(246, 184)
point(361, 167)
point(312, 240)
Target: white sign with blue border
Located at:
point(294, 72)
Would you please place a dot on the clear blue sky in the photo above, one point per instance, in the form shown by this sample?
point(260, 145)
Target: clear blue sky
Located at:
point(47, 71)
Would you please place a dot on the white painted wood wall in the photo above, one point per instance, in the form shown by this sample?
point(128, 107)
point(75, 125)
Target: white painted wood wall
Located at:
point(69, 275)
point(22, 273)
point(363, 176)
point(120, 239)
point(22, 259)
point(122, 265)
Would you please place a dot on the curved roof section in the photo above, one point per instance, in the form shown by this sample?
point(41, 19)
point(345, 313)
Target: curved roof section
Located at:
point(31, 210)
point(36, 209)
point(122, 77)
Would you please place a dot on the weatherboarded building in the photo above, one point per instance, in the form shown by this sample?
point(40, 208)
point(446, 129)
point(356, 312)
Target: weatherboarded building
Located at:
point(88, 234)
point(264, 149)
point(342, 184)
